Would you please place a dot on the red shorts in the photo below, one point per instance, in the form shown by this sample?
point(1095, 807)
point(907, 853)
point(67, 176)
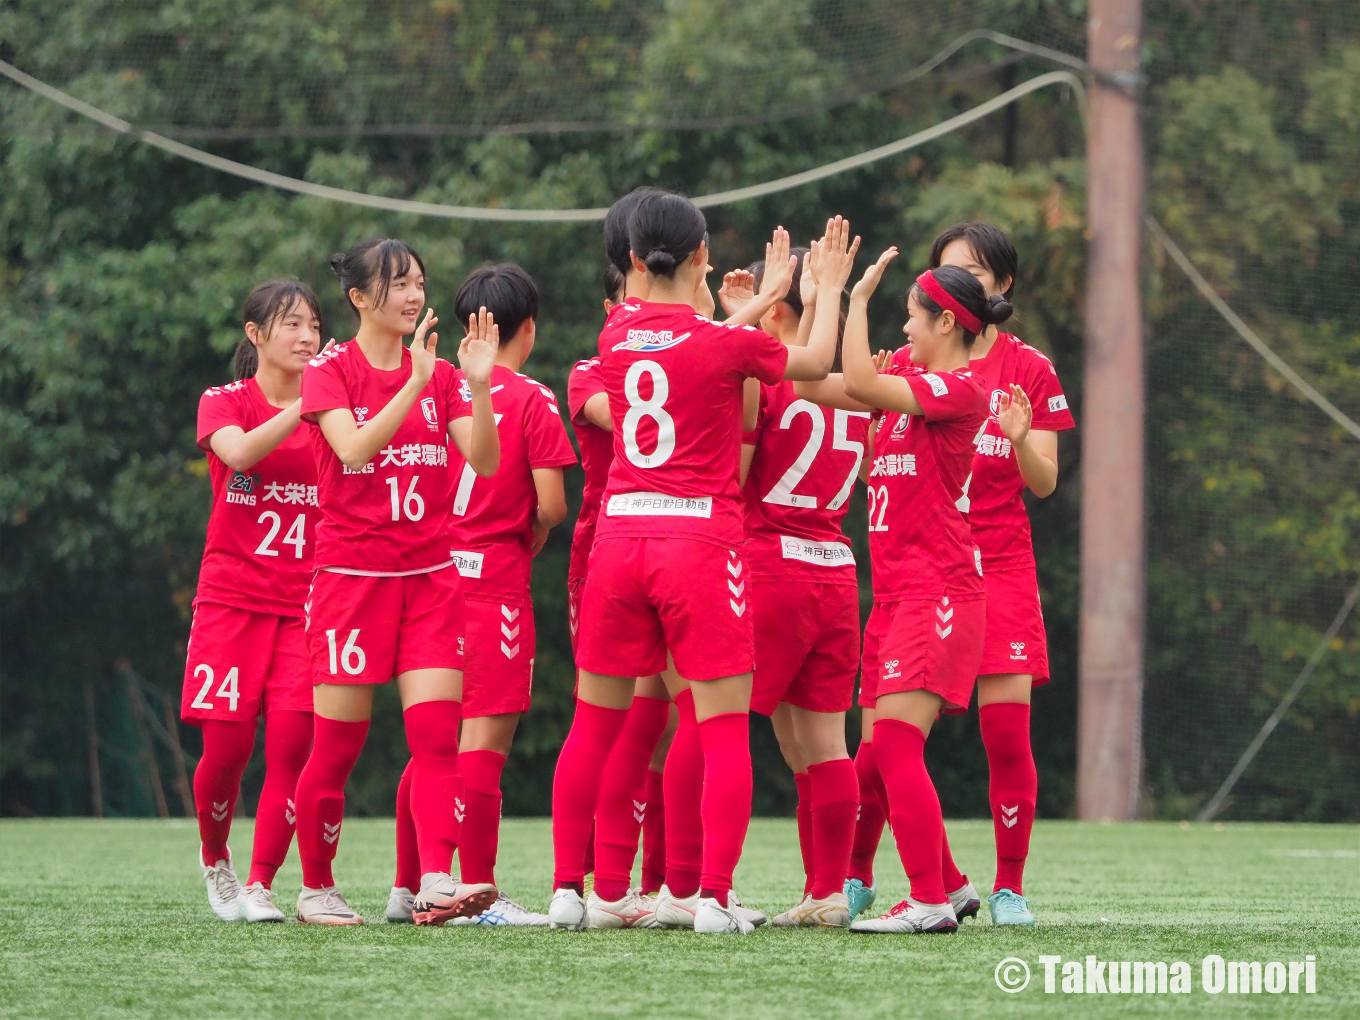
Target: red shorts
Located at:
point(366, 630)
point(645, 595)
point(575, 587)
point(807, 644)
point(1015, 640)
point(923, 644)
point(498, 667)
point(240, 661)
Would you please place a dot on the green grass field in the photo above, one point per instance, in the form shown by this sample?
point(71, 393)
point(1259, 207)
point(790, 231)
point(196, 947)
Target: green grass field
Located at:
point(109, 919)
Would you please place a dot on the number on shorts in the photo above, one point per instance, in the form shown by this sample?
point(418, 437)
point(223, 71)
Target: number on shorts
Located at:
point(878, 503)
point(466, 480)
point(351, 658)
point(653, 409)
point(413, 505)
point(228, 688)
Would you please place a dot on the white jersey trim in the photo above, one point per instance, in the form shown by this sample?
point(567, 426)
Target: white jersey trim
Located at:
point(822, 554)
point(386, 573)
point(658, 504)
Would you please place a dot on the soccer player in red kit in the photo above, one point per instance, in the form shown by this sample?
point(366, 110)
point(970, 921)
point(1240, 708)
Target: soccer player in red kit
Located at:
point(1016, 450)
point(666, 571)
point(385, 600)
point(924, 640)
point(805, 604)
point(247, 649)
point(499, 524)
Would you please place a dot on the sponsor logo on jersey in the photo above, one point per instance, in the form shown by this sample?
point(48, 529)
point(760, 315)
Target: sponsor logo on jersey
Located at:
point(977, 560)
point(650, 340)
point(892, 669)
point(658, 504)
point(996, 402)
point(464, 390)
point(241, 488)
point(360, 413)
point(430, 412)
point(1058, 403)
point(937, 385)
point(469, 564)
point(1018, 651)
point(823, 554)
point(901, 425)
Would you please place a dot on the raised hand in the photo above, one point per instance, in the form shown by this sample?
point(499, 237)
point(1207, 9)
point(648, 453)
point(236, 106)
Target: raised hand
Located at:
point(477, 351)
point(737, 291)
point(422, 351)
point(836, 255)
point(1016, 415)
point(779, 266)
point(807, 282)
point(882, 360)
point(873, 276)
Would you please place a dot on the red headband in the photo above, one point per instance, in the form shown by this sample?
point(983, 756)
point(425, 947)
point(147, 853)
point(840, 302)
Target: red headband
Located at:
point(927, 282)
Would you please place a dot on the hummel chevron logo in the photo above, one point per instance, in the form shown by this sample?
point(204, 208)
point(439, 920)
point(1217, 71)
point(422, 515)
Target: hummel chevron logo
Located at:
point(219, 811)
point(509, 651)
point(331, 833)
point(510, 634)
point(459, 809)
point(289, 815)
point(509, 614)
point(945, 616)
point(736, 589)
point(1008, 818)
point(737, 607)
point(944, 632)
point(734, 568)
point(639, 810)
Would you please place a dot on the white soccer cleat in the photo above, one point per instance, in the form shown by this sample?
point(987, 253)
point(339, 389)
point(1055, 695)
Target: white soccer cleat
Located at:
point(257, 904)
point(224, 888)
point(400, 905)
point(567, 911)
point(505, 911)
point(632, 911)
point(830, 912)
point(712, 918)
point(965, 902)
point(325, 906)
point(441, 899)
point(911, 917)
point(751, 914)
point(674, 911)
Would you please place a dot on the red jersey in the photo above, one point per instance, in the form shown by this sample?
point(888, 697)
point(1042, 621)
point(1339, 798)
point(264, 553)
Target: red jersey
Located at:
point(806, 461)
point(392, 515)
point(262, 527)
point(919, 541)
point(493, 518)
point(597, 454)
point(993, 497)
point(674, 380)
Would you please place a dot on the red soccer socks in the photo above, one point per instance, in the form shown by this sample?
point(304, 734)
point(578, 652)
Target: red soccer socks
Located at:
point(654, 836)
point(1013, 788)
point(480, 834)
point(914, 806)
point(834, 802)
point(217, 781)
point(408, 856)
point(683, 783)
point(432, 735)
point(726, 804)
point(576, 788)
point(320, 795)
point(622, 807)
point(287, 743)
point(873, 808)
point(803, 784)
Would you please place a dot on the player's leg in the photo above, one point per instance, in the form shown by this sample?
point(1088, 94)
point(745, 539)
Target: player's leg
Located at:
point(683, 784)
point(654, 819)
point(860, 891)
point(217, 780)
point(782, 721)
point(401, 900)
point(1013, 787)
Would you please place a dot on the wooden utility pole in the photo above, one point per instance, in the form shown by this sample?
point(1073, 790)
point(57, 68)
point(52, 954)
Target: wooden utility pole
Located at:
point(1110, 682)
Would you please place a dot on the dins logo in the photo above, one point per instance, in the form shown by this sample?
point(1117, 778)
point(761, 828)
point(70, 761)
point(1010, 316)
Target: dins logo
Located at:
point(243, 483)
point(650, 340)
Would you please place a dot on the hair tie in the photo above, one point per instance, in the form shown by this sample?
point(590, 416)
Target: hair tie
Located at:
point(936, 292)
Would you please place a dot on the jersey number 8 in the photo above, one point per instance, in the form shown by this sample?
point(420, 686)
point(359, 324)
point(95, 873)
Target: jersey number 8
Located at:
point(653, 409)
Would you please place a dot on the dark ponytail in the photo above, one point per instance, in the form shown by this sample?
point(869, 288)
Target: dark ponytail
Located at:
point(964, 288)
point(616, 245)
point(379, 260)
point(265, 304)
point(664, 230)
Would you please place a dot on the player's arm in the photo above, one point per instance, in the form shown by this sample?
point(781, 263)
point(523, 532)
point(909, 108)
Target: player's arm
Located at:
point(241, 450)
point(863, 381)
point(830, 262)
point(1036, 452)
point(476, 437)
point(866, 463)
point(596, 410)
point(552, 504)
point(830, 392)
point(357, 446)
point(748, 454)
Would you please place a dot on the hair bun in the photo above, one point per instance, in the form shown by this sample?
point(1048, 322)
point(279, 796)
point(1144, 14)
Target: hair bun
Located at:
point(998, 310)
point(337, 261)
point(660, 262)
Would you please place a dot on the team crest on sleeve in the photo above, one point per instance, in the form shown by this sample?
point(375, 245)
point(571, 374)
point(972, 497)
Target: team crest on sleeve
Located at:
point(1058, 403)
point(431, 413)
point(464, 390)
point(650, 340)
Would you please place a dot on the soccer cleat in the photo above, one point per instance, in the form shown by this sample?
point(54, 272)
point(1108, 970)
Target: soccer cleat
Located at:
point(632, 911)
point(257, 904)
point(965, 901)
point(325, 906)
point(505, 911)
point(712, 918)
point(567, 910)
point(751, 914)
point(224, 888)
point(400, 904)
point(1008, 907)
point(831, 912)
point(859, 897)
point(441, 899)
point(675, 911)
point(910, 917)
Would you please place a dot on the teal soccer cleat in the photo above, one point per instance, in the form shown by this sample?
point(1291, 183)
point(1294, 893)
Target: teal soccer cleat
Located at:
point(859, 896)
point(1009, 907)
